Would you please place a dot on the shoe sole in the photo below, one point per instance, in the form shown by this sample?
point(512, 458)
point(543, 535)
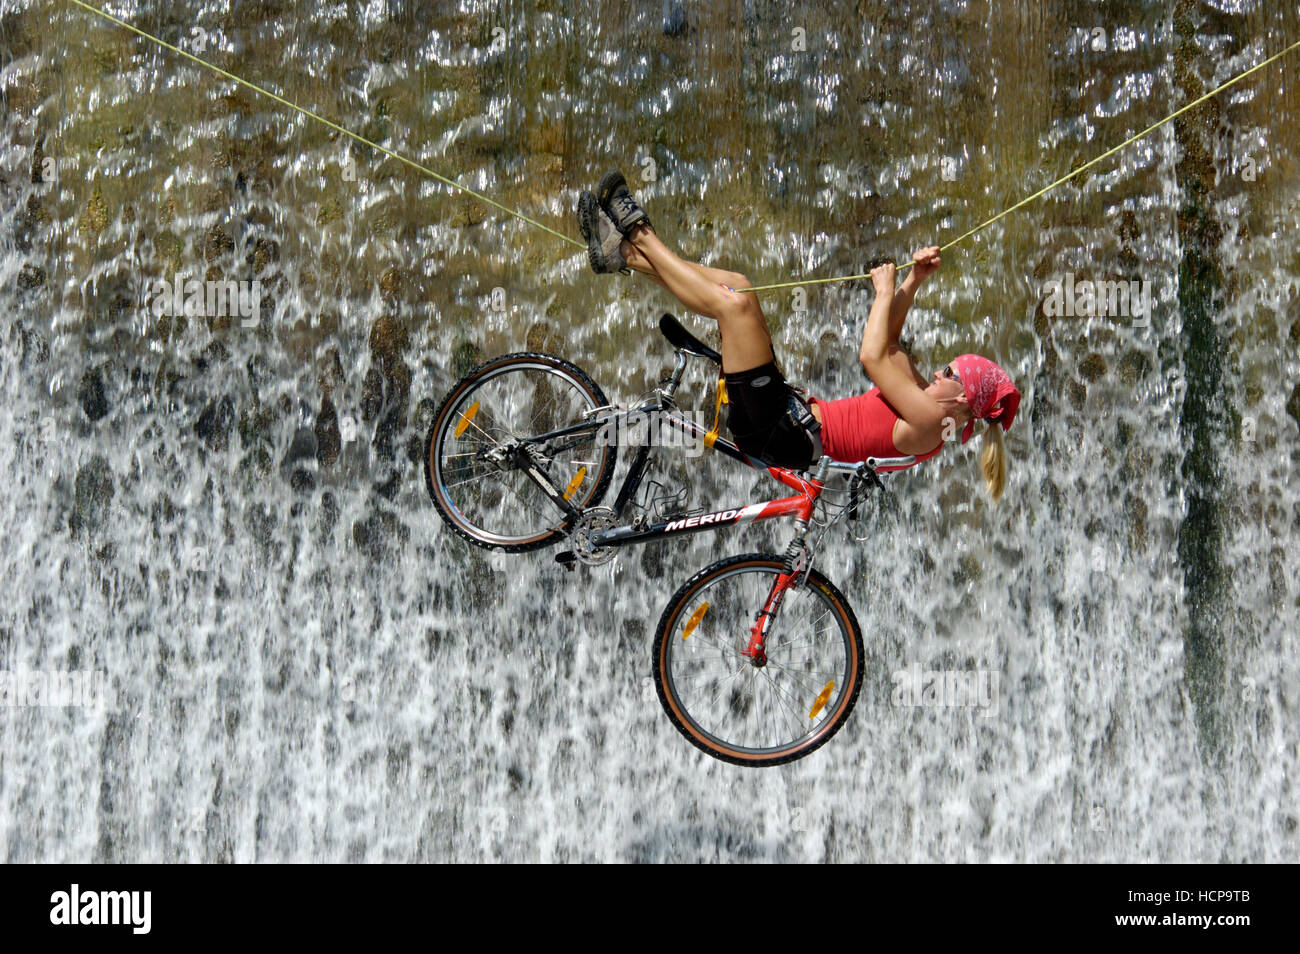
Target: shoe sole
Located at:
point(588, 213)
point(586, 223)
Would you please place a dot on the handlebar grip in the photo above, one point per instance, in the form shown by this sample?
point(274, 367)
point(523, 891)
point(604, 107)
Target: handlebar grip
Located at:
point(875, 462)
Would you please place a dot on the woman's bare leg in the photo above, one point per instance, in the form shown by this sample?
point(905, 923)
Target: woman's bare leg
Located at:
point(634, 260)
point(746, 341)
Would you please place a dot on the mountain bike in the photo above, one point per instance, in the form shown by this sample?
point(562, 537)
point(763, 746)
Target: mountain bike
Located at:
point(758, 658)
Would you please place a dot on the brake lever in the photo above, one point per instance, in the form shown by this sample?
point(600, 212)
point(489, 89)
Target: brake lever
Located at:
point(868, 473)
point(863, 475)
point(855, 498)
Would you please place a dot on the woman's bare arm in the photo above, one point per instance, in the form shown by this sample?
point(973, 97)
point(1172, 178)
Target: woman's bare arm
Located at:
point(876, 338)
point(903, 296)
point(924, 263)
point(925, 260)
point(899, 386)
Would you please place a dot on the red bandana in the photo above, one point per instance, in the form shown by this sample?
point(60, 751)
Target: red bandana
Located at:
point(986, 385)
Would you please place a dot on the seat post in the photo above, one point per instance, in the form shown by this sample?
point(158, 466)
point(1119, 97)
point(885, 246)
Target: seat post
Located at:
point(673, 382)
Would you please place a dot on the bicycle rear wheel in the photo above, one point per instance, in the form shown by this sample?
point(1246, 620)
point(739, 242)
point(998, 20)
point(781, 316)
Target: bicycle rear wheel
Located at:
point(517, 400)
point(757, 714)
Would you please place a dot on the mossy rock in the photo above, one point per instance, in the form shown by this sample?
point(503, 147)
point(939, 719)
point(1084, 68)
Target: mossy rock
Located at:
point(1132, 368)
point(31, 276)
point(94, 218)
point(329, 441)
point(22, 97)
point(265, 252)
point(380, 529)
point(255, 466)
point(215, 423)
point(1093, 367)
point(216, 243)
point(464, 357)
point(255, 428)
point(329, 369)
point(542, 337)
point(389, 339)
point(392, 284)
point(330, 211)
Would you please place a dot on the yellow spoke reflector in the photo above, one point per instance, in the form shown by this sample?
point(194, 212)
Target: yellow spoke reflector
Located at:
point(695, 619)
point(820, 702)
point(466, 418)
point(575, 483)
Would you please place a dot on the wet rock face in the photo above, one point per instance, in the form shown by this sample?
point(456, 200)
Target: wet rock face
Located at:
point(31, 276)
point(386, 388)
point(215, 423)
point(302, 447)
point(299, 464)
point(328, 440)
point(380, 529)
point(93, 493)
point(675, 21)
point(211, 357)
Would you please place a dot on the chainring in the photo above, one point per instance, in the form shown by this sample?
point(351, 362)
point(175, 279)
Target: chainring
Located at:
point(597, 518)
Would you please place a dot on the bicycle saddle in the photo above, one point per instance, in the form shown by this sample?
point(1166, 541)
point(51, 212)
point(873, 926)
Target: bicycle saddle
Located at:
point(683, 340)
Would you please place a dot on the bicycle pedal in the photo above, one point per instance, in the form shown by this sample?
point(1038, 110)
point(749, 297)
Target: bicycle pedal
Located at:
point(566, 559)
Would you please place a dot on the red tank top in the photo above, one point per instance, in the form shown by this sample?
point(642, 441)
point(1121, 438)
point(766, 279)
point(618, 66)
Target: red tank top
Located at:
point(862, 426)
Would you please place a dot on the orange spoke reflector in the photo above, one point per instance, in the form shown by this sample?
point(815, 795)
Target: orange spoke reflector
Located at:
point(820, 702)
point(575, 483)
point(695, 619)
point(466, 418)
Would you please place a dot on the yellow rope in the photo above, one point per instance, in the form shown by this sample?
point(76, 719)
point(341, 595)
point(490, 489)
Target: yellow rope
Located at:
point(572, 241)
point(332, 125)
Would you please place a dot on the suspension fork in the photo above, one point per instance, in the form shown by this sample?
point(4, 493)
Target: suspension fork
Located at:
point(796, 556)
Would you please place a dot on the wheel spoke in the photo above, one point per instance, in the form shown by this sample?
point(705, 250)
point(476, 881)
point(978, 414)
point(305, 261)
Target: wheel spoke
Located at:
point(758, 711)
point(528, 395)
point(781, 698)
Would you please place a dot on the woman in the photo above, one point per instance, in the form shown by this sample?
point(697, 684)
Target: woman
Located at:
point(902, 415)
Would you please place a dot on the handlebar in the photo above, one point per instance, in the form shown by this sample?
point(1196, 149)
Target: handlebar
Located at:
point(871, 463)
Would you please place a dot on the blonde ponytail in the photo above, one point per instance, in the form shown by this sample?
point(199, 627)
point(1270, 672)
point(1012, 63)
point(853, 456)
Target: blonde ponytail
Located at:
point(993, 461)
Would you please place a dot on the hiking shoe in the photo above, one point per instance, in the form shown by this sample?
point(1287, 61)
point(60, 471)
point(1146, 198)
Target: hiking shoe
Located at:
point(604, 241)
point(618, 203)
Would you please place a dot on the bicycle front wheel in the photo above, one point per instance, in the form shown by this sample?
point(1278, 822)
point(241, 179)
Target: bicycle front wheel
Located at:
point(747, 713)
point(533, 402)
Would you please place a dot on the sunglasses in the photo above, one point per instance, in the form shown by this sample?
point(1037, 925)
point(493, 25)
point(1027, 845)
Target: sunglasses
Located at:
point(948, 372)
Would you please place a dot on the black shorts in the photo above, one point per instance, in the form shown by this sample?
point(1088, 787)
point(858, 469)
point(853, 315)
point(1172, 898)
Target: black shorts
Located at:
point(771, 421)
